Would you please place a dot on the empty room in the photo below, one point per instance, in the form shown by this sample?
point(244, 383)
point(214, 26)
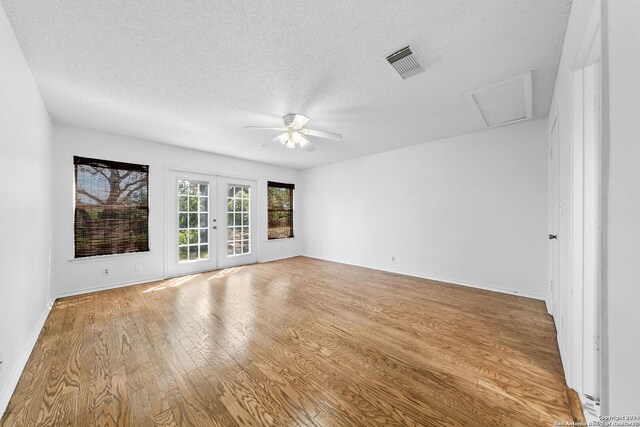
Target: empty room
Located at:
point(330, 213)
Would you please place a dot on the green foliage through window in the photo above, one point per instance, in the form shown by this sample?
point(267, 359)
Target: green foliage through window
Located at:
point(238, 219)
point(280, 210)
point(193, 220)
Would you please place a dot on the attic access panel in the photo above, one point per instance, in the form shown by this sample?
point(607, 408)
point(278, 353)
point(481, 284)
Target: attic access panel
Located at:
point(503, 103)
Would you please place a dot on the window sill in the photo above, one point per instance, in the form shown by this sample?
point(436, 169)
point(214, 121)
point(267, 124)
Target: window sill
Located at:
point(281, 239)
point(108, 257)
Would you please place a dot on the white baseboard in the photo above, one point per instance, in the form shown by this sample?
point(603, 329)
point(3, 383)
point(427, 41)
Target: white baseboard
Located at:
point(23, 358)
point(441, 279)
point(104, 288)
point(278, 258)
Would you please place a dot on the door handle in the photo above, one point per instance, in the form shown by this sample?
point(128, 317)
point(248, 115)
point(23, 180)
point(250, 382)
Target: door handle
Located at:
point(553, 236)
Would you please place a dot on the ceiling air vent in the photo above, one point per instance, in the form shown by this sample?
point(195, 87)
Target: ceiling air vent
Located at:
point(406, 62)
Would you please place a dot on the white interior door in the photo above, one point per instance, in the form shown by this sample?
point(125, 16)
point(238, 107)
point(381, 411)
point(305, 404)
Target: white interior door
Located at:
point(238, 228)
point(191, 223)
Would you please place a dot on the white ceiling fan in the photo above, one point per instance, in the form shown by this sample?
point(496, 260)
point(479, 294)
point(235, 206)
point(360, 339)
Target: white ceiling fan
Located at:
point(294, 134)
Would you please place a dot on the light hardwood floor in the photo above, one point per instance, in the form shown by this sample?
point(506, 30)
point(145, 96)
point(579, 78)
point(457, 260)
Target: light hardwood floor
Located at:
point(293, 342)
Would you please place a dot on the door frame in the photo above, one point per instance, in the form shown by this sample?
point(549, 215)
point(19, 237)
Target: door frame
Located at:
point(575, 335)
point(553, 300)
point(585, 163)
point(591, 240)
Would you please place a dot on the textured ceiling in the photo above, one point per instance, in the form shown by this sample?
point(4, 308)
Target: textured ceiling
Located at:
point(194, 73)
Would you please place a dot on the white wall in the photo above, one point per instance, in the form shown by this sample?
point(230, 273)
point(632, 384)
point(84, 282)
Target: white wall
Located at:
point(622, 274)
point(70, 277)
point(469, 209)
point(25, 210)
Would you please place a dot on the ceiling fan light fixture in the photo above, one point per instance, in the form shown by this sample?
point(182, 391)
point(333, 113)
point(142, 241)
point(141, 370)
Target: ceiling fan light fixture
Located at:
point(296, 137)
point(290, 144)
point(283, 138)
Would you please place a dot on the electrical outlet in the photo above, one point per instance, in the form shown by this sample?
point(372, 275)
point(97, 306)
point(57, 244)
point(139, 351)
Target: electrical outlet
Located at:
point(106, 272)
point(138, 267)
point(393, 259)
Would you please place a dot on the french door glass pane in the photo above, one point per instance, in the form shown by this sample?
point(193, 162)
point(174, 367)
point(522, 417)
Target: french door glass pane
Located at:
point(193, 220)
point(238, 222)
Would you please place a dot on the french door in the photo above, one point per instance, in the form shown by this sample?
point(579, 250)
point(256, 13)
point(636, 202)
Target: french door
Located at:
point(211, 222)
point(237, 236)
point(192, 223)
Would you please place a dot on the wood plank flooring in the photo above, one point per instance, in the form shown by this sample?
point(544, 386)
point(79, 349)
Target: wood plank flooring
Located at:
point(298, 342)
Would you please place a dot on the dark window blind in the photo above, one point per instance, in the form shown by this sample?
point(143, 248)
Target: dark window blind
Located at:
point(280, 210)
point(111, 207)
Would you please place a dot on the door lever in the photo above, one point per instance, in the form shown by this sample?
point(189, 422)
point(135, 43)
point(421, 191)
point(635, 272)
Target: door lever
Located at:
point(553, 236)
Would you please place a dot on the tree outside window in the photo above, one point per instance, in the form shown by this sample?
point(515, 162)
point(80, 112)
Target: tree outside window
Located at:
point(111, 207)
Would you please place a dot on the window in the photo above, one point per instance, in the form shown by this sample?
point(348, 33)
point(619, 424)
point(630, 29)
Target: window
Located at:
point(111, 207)
point(280, 210)
point(193, 220)
point(238, 219)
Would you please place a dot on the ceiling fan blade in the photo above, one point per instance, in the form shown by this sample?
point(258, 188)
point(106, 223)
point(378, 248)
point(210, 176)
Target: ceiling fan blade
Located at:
point(322, 134)
point(299, 121)
point(263, 127)
point(271, 141)
point(295, 120)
